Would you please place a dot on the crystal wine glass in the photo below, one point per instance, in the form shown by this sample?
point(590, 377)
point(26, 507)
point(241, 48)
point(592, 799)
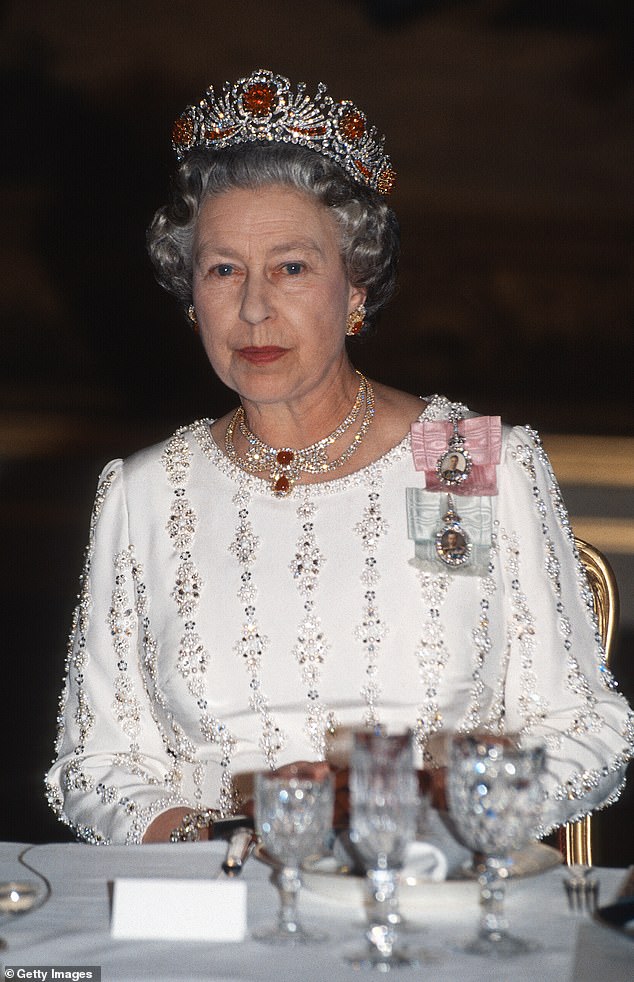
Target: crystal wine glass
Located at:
point(495, 799)
point(384, 808)
point(19, 897)
point(293, 816)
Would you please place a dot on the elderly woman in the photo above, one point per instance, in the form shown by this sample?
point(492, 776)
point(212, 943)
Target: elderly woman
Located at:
point(259, 580)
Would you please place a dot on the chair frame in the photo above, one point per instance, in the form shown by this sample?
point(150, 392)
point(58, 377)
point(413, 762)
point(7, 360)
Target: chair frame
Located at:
point(575, 838)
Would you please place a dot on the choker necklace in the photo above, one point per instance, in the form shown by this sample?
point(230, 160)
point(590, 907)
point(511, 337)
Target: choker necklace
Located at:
point(285, 464)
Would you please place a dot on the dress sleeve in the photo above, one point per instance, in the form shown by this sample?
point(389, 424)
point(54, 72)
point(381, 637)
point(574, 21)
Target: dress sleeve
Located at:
point(112, 773)
point(557, 684)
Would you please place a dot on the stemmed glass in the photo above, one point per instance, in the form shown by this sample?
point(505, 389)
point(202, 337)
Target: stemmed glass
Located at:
point(293, 816)
point(495, 799)
point(19, 897)
point(383, 816)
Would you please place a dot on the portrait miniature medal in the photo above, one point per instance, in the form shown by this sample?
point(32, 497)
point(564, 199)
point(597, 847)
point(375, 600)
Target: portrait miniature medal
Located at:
point(453, 545)
point(454, 465)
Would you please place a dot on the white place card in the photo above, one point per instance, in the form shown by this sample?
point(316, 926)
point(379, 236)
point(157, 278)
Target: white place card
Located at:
point(175, 910)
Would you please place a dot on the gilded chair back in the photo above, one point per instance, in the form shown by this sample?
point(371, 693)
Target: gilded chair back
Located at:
point(576, 837)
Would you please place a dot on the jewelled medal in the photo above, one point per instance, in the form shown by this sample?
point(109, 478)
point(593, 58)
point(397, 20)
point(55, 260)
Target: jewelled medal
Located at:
point(454, 466)
point(453, 545)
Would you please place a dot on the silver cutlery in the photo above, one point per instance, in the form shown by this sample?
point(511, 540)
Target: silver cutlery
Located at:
point(582, 889)
point(239, 848)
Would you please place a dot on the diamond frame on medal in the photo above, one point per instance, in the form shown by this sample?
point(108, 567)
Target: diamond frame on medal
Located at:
point(454, 475)
point(458, 554)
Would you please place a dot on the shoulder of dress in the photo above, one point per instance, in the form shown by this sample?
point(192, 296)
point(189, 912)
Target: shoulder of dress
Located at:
point(523, 436)
point(110, 471)
point(523, 445)
point(181, 444)
point(440, 407)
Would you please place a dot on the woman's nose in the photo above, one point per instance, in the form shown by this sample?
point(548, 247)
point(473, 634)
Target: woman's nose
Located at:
point(256, 299)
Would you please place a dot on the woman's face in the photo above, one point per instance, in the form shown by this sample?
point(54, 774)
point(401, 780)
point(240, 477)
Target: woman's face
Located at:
point(271, 293)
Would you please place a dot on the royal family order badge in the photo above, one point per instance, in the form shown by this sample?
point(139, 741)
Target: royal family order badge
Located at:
point(453, 545)
point(455, 464)
point(461, 454)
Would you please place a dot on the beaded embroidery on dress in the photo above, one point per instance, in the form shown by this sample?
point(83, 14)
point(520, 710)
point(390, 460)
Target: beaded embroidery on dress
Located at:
point(247, 627)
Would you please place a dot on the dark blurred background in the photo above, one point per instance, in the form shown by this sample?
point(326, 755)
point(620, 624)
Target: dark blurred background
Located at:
point(509, 123)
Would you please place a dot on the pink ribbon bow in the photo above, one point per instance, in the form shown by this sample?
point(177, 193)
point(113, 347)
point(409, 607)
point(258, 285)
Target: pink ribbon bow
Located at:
point(482, 437)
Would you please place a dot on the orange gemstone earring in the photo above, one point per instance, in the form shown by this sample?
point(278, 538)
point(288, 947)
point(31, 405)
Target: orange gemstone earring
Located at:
point(191, 313)
point(355, 322)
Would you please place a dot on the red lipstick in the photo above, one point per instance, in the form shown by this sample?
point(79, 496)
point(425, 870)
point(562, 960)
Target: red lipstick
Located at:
point(261, 355)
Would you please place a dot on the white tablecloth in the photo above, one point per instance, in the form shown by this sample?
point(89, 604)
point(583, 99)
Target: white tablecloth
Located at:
point(73, 927)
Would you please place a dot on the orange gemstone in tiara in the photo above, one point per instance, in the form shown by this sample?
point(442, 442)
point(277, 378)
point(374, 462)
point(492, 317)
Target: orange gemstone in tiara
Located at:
point(352, 125)
point(259, 99)
point(217, 134)
point(386, 180)
point(367, 173)
point(183, 132)
point(309, 130)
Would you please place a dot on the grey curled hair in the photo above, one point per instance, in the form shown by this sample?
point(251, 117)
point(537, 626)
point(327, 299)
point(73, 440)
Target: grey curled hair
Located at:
point(369, 232)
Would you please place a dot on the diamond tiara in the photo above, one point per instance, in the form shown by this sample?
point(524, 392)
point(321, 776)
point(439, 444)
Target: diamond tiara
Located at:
point(262, 107)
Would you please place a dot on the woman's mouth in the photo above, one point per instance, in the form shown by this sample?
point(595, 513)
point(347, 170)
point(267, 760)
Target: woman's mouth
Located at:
point(262, 355)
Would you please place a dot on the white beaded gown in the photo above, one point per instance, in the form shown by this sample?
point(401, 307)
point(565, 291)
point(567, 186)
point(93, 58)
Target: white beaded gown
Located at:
point(221, 630)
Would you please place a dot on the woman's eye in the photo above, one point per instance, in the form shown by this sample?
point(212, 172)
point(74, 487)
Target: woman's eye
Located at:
point(224, 269)
point(293, 268)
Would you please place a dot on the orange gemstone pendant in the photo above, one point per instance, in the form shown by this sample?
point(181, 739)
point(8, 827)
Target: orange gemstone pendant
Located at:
point(283, 475)
point(281, 485)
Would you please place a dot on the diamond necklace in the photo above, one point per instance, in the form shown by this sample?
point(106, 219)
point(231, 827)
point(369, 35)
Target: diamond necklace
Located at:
point(286, 464)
